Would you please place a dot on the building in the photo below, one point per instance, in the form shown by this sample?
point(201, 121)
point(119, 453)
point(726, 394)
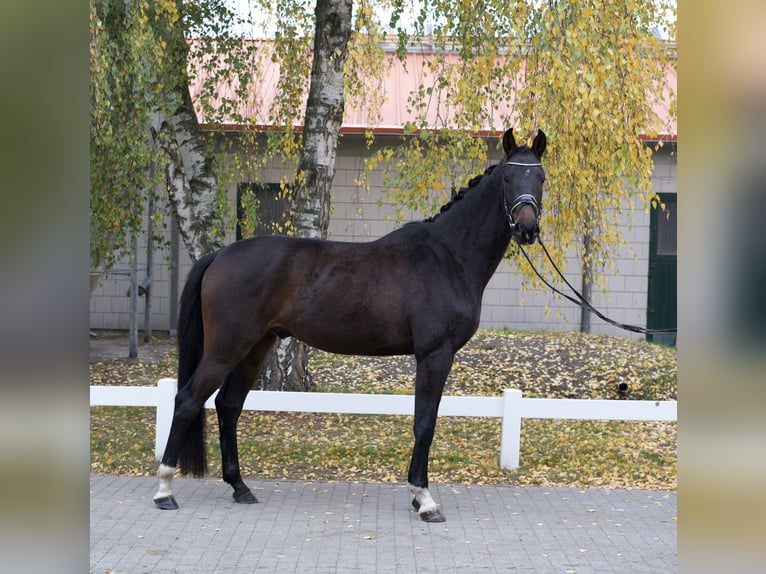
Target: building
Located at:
point(642, 291)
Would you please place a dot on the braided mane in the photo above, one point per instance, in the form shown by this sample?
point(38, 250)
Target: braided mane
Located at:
point(460, 194)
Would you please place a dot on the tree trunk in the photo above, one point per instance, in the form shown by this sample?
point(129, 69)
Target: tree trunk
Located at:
point(191, 183)
point(287, 367)
point(587, 282)
point(324, 115)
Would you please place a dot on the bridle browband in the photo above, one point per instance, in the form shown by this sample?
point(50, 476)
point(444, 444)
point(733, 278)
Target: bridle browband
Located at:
point(522, 200)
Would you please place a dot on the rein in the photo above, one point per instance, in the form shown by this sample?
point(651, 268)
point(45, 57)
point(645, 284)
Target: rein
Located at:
point(528, 199)
point(584, 303)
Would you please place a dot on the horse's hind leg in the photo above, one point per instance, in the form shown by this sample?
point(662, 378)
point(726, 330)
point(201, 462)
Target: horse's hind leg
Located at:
point(228, 404)
point(189, 402)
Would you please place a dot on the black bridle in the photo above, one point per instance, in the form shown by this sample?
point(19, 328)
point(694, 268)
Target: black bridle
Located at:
point(522, 200)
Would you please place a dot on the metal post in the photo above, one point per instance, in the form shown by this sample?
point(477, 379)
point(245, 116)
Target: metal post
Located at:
point(133, 329)
point(149, 281)
point(174, 272)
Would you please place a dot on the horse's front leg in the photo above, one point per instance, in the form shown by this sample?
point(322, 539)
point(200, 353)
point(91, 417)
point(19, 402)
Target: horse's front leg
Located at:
point(432, 371)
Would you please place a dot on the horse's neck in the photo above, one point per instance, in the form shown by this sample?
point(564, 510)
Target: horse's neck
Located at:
point(477, 232)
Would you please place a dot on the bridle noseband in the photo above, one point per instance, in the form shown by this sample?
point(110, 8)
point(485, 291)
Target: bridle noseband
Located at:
point(522, 200)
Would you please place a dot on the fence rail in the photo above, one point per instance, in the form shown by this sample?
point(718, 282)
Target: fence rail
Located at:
point(511, 408)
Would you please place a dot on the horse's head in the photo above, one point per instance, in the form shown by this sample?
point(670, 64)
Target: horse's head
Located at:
point(523, 177)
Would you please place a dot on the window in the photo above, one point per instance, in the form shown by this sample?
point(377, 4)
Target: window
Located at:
point(271, 208)
point(667, 230)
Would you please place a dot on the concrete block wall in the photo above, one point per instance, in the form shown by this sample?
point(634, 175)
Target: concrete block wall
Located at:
point(110, 303)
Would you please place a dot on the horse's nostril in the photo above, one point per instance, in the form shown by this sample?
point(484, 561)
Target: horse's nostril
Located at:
point(527, 234)
point(527, 229)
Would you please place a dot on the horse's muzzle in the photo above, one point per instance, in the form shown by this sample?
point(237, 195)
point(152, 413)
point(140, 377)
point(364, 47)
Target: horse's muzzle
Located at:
point(526, 232)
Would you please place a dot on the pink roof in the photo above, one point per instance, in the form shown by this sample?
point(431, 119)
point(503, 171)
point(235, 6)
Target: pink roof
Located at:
point(402, 79)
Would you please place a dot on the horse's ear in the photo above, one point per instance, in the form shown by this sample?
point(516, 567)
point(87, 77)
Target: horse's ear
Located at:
point(509, 144)
point(538, 146)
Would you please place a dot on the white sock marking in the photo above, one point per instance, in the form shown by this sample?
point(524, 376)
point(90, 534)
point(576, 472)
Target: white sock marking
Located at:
point(423, 497)
point(165, 474)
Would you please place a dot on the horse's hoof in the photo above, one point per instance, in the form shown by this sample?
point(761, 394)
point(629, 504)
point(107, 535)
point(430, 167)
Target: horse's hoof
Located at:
point(245, 497)
point(166, 503)
point(434, 515)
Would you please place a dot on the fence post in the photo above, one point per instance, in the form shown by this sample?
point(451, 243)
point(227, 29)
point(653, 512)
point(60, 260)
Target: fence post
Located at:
point(166, 398)
point(510, 437)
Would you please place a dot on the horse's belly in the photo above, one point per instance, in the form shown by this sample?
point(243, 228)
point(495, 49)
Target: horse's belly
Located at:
point(354, 348)
point(338, 329)
point(357, 339)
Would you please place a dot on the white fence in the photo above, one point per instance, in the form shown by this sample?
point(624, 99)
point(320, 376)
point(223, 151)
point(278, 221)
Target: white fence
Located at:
point(511, 407)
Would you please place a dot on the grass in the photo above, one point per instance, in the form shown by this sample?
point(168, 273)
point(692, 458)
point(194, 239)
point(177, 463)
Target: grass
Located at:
point(306, 446)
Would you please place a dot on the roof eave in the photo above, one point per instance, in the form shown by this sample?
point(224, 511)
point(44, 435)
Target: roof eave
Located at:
point(391, 130)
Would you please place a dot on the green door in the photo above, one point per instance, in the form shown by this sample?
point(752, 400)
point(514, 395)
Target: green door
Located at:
point(662, 305)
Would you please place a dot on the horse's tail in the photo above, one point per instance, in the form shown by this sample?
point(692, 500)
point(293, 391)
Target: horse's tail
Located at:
point(191, 458)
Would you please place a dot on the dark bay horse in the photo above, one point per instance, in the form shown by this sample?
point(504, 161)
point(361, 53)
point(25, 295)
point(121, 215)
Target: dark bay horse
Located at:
point(415, 291)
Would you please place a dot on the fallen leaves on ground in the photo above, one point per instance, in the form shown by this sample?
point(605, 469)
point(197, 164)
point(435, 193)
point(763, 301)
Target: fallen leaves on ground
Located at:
point(307, 446)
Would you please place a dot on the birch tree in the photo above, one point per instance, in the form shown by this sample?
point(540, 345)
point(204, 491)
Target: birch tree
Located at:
point(287, 367)
point(140, 104)
point(119, 138)
point(596, 73)
point(149, 41)
point(192, 186)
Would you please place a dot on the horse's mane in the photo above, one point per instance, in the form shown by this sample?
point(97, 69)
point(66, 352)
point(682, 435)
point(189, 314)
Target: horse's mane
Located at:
point(473, 182)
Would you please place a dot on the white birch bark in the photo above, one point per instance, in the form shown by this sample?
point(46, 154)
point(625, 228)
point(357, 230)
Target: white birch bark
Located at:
point(324, 115)
point(191, 182)
point(192, 185)
point(287, 367)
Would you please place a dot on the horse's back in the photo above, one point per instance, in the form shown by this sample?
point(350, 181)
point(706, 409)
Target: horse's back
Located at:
point(371, 298)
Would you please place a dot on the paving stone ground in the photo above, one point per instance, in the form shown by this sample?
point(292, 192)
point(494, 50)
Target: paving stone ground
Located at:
point(328, 527)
